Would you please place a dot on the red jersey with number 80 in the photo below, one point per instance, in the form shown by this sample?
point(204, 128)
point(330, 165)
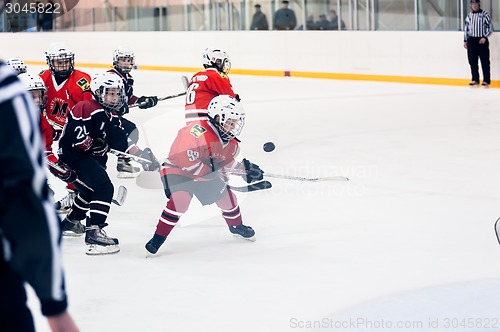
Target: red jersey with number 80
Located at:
point(62, 97)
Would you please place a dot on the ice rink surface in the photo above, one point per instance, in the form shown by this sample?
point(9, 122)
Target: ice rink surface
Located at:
point(406, 244)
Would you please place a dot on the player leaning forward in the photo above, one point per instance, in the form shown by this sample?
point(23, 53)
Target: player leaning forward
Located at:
point(91, 130)
point(200, 158)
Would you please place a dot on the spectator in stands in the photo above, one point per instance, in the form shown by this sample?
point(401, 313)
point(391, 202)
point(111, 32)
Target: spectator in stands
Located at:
point(323, 23)
point(284, 18)
point(334, 20)
point(259, 20)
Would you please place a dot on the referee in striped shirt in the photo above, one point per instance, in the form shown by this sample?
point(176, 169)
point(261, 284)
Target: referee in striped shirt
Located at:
point(29, 226)
point(477, 29)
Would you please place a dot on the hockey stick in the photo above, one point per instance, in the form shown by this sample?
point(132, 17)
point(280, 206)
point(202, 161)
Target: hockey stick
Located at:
point(151, 180)
point(128, 155)
point(252, 187)
point(121, 192)
point(289, 177)
point(237, 172)
point(300, 178)
point(184, 82)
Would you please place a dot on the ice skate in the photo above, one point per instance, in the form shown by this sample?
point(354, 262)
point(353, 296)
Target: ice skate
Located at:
point(485, 85)
point(126, 169)
point(243, 232)
point(155, 243)
point(64, 204)
point(474, 84)
point(72, 227)
point(99, 243)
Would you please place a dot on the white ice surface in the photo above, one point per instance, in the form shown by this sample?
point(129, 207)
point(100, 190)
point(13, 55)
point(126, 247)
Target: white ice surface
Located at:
point(408, 238)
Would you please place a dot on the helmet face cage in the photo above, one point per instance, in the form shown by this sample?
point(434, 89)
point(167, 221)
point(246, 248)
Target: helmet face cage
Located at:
point(216, 58)
point(228, 115)
point(18, 65)
point(123, 60)
point(35, 85)
point(61, 60)
point(109, 91)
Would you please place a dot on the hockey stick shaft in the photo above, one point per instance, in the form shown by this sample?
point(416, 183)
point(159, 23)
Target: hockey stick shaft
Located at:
point(252, 187)
point(300, 178)
point(162, 98)
point(184, 83)
point(122, 192)
point(289, 177)
point(128, 155)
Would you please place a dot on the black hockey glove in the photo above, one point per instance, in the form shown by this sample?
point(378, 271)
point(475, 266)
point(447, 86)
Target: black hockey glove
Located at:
point(99, 147)
point(147, 102)
point(237, 97)
point(63, 172)
point(253, 172)
point(151, 166)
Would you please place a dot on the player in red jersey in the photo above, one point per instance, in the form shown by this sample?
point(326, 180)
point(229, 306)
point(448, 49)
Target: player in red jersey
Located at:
point(35, 86)
point(200, 158)
point(123, 62)
point(66, 86)
point(208, 83)
point(92, 128)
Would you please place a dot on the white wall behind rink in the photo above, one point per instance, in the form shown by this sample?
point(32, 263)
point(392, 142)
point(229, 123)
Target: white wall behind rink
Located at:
point(392, 53)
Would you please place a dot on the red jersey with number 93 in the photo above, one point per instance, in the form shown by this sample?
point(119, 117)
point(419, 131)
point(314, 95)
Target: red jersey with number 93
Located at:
point(198, 150)
point(62, 97)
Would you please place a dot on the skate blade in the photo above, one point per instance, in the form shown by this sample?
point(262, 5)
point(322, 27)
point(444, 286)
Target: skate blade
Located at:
point(96, 250)
point(251, 239)
point(71, 234)
point(127, 175)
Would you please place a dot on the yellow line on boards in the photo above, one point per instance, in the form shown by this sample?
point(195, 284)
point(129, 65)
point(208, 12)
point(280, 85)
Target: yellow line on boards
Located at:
point(281, 73)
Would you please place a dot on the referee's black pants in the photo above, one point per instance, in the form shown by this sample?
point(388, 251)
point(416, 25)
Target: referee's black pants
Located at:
point(481, 51)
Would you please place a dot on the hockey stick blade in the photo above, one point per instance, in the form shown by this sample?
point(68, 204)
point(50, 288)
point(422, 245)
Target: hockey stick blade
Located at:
point(253, 187)
point(300, 178)
point(497, 229)
point(121, 195)
point(185, 82)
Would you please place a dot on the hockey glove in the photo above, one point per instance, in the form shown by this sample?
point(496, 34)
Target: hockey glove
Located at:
point(237, 97)
point(151, 166)
point(147, 102)
point(99, 147)
point(63, 172)
point(253, 172)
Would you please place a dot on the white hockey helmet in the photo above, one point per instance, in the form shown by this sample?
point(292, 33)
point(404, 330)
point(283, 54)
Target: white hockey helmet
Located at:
point(122, 53)
point(228, 115)
point(35, 85)
point(109, 91)
point(216, 58)
point(17, 64)
point(61, 60)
